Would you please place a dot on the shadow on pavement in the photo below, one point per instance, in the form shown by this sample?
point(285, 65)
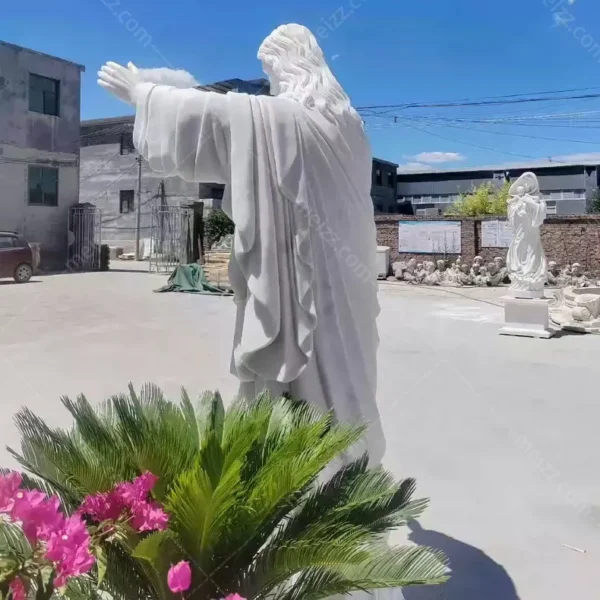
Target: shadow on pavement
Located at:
point(475, 576)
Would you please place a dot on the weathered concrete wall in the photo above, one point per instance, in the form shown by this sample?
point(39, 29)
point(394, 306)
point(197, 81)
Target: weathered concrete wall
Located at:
point(104, 172)
point(19, 126)
point(30, 138)
point(46, 225)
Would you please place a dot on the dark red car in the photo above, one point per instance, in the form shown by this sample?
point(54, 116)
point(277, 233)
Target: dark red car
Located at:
point(18, 258)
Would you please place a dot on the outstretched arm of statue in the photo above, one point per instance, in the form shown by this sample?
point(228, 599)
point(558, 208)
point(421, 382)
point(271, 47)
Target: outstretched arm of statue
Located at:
point(181, 132)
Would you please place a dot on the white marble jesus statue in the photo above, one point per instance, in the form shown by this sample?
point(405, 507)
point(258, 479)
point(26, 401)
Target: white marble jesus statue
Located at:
point(297, 171)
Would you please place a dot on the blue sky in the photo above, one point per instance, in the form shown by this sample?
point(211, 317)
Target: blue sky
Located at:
point(382, 51)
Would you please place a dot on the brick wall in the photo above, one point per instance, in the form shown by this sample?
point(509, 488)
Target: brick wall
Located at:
point(565, 239)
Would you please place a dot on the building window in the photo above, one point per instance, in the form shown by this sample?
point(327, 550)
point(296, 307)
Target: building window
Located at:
point(43, 186)
point(391, 179)
point(127, 146)
point(44, 94)
point(127, 201)
point(378, 177)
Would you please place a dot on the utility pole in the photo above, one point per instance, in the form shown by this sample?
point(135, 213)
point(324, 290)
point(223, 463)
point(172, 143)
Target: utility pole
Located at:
point(138, 217)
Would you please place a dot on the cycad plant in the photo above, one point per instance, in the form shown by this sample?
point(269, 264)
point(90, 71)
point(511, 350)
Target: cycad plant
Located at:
point(244, 492)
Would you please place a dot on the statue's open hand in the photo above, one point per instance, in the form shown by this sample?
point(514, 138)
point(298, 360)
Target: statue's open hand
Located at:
point(120, 81)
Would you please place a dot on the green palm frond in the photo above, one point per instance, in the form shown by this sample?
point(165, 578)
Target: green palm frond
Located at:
point(242, 487)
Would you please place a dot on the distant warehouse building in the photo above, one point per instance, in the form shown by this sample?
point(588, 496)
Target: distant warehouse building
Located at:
point(567, 188)
point(39, 147)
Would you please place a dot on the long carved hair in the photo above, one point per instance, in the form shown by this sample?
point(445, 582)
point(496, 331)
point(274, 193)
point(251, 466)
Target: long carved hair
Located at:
point(296, 60)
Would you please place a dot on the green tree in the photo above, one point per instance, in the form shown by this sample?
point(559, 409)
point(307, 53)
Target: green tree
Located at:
point(217, 225)
point(242, 486)
point(485, 200)
point(594, 207)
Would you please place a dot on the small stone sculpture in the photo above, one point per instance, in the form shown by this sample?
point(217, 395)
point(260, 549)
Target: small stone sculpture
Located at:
point(464, 275)
point(398, 269)
point(225, 243)
point(409, 274)
point(577, 309)
point(578, 279)
point(432, 277)
point(502, 269)
point(451, 276)
point(526, 260)
point(482, 279)
point(553, 273)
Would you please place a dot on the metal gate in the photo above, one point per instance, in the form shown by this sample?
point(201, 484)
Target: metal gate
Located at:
point(84, 238)
point(171, 238)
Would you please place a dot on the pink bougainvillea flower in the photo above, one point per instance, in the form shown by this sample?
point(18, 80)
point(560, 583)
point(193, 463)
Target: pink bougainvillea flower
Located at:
point(136, 490)
point(234, 597)
point(130, 498)
point(179, 577)
point(17, 587)
point(69, 548)
point(145, 483)
point(9, 484)
point(102, 507)
point(149, 516)
point(39, 514)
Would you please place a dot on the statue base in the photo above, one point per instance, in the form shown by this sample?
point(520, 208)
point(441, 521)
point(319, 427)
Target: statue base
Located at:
point(526, 317)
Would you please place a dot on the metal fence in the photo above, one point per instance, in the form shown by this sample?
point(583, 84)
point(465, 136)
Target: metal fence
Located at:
point(171, 238)
point(84, 238)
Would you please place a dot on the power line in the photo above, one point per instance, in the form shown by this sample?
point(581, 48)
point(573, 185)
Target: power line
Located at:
point(473, 103)
point(482, 147)
point(100, 168)
point(505, 133)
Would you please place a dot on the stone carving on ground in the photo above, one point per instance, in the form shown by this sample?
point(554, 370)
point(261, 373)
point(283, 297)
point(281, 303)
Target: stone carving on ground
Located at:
point(225, 243)
point(526, 260)
point(457, 274)
point(492, 274)
point(567, 276)
point(577, 309)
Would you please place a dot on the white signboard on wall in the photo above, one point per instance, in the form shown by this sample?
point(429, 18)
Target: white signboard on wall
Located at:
point(429, 237)
point(496, 234)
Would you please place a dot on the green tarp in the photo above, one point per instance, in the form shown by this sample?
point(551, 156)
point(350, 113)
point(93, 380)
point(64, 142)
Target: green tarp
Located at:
point(191, 279)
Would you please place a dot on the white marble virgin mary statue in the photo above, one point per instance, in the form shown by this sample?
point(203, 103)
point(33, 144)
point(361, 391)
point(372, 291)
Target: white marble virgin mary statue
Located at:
point(526, 261)
point(297, 171)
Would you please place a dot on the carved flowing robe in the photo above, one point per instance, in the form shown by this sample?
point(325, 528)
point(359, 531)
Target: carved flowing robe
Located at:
point(303, 261)
point(526, 260)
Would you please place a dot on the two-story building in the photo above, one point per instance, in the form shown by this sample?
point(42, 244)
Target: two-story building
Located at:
point(39, 147)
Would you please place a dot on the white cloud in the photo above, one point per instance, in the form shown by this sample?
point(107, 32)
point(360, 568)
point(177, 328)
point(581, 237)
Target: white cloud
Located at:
point(176, 78)
point(409, 167)
point(436, 157)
